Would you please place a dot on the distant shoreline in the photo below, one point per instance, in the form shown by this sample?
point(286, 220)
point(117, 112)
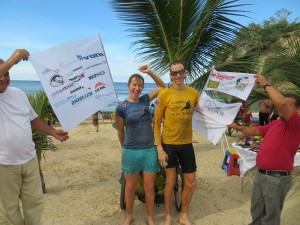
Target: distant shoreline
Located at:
point(124, 82)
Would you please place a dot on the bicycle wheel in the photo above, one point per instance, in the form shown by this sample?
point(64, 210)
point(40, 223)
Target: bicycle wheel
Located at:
point(122, 196)
point(179, 184)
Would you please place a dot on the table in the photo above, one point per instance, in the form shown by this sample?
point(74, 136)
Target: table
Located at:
point(248, 160)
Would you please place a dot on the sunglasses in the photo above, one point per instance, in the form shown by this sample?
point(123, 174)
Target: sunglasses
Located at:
point(180, 72)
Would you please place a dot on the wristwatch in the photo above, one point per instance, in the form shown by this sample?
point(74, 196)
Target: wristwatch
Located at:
point(266, 85)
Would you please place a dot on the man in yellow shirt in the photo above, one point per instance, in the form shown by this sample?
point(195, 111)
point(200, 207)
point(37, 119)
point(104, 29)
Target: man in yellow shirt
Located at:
point(175, 106)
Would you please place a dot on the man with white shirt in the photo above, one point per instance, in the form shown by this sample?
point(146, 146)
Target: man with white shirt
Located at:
point(19, 171)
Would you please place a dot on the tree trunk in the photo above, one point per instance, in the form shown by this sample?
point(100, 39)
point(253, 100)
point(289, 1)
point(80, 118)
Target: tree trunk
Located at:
point(43, 181)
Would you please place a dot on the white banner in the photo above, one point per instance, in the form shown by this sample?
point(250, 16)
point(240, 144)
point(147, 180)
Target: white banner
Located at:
point(220, 112)
point(232, 83)
point(208, 127)
point(76, 79)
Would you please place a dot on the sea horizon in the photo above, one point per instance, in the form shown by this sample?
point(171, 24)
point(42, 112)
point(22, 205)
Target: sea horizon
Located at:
point(31, 87)
point(113, 81)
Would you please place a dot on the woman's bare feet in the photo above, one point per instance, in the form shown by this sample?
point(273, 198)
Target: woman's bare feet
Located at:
point(150, 221)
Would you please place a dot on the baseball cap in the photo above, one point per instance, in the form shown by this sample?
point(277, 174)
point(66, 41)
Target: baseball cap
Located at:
point(255, 120)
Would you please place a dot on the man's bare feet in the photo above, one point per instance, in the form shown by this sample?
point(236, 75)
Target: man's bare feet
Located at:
point(168, 220)
point(184, 220)
point(128, 220)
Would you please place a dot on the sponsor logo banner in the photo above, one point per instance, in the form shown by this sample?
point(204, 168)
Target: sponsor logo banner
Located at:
point(208, 127)
point(220, 112)
point(232, 83)
point(76, 79)
point(212, 118)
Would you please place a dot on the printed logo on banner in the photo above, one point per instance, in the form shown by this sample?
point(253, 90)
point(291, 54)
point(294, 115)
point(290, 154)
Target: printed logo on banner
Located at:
point(82, 98)
point(91, 66)
point(220, 76)
point(47, 70)
point(101, 73)
point(95, 55)
point(98, 96)
point(56, 80)
point(76, 78)
point(76, 89)
point(62, 90)
point(99, 86)
point(212, 107)
point(213, 84)
point(64, 101)
point(242, 83)
point(76, 69)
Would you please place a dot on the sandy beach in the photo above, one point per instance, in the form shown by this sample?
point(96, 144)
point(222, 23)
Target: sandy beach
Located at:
point(82, 184)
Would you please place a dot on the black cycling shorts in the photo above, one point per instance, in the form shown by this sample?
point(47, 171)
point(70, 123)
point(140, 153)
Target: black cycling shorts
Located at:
point(184, 154)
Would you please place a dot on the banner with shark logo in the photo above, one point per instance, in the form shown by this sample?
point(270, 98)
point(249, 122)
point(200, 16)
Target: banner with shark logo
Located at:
point(232, 83)
point(76, 79)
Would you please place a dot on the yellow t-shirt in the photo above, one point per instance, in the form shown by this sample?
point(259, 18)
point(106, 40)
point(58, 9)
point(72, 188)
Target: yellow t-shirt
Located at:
point(175, 109)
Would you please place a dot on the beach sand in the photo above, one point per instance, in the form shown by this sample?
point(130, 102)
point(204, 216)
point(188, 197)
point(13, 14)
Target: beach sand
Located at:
point(82, 184)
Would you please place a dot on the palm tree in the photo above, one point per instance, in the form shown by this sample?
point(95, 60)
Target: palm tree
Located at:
point(282, 69)
point(285, 63)
point(41, 106)
point(193, 31)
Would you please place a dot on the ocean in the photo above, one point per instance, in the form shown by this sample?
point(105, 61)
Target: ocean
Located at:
point(30, 87)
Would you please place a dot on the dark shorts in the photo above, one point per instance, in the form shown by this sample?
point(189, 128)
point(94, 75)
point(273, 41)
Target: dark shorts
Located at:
point(182, 153)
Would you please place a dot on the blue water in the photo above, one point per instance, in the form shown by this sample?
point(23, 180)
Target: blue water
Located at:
point(30, 87)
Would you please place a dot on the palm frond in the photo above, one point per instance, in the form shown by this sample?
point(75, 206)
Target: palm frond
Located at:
point(191, 31)
point(285, 63)
point(42, 107)
point(43, 143)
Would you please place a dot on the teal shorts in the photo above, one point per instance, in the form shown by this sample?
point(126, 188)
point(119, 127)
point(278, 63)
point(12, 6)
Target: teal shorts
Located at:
point(137, 160)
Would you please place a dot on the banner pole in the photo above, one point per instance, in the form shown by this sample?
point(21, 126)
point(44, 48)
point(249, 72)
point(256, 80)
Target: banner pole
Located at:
point(108, 66)
point(226, 140)
point(222, 145)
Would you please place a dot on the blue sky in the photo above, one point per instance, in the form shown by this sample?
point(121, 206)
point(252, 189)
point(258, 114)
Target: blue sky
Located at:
point(41, 24)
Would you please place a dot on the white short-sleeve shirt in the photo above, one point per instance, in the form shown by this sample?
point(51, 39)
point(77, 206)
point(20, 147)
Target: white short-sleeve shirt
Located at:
point(16, 145)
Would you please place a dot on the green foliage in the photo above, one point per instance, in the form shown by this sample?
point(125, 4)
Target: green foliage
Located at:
point(285, 63)
point(271, 49)
point(192, 31)
point(41, 106)
point(260, 39)
point(159, 184)
point(201, 34)
point(43, 142)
